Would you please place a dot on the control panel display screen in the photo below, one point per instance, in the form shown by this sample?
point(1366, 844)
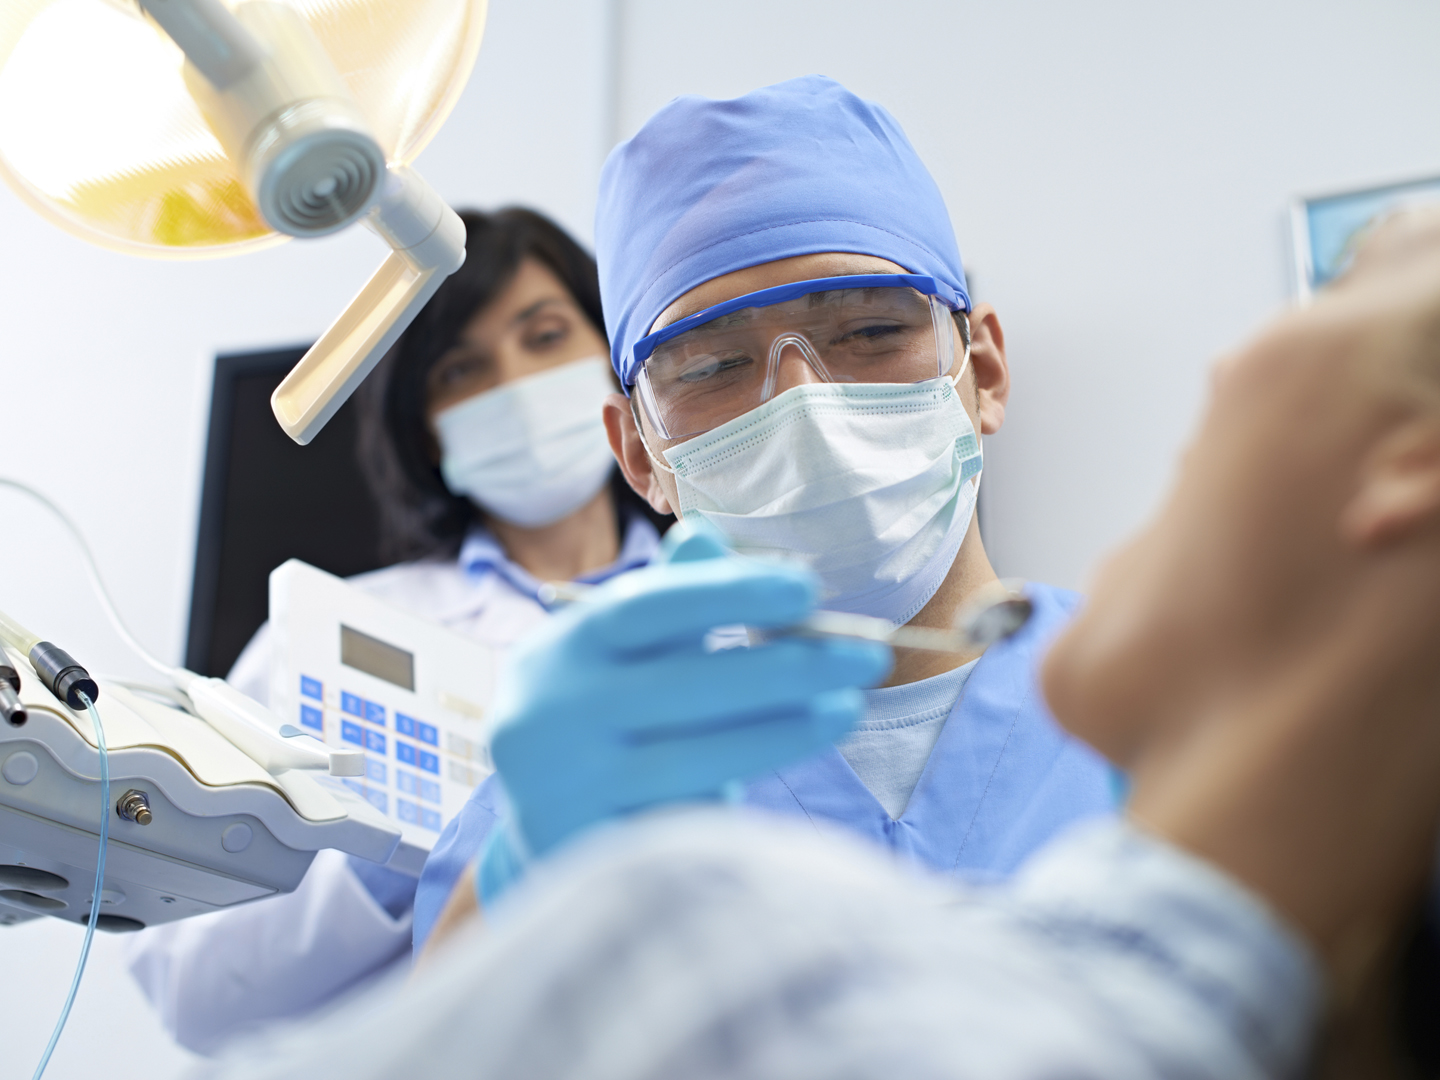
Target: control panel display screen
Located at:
point(372, 656)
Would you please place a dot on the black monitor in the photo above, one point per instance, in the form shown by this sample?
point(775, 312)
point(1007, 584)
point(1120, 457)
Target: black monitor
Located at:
point(266, 500)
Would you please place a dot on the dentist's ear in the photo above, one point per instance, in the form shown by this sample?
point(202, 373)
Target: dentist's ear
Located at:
point(1399, 491)
point(989, 369)
point(628, 446)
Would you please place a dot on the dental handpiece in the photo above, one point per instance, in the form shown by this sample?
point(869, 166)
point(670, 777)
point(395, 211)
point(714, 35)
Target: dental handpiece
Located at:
point(995, 612)
point(57, 669)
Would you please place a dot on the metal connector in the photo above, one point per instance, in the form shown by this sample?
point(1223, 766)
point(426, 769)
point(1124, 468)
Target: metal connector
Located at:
point(62, 676)
point(10, 707)
point(134, 806)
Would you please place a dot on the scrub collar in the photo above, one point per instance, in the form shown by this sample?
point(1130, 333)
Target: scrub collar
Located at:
point(482, 555)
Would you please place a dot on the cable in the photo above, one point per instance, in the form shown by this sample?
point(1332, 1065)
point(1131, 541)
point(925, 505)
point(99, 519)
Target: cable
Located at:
point(96, 582)
point(251, 727)
point(99, 884)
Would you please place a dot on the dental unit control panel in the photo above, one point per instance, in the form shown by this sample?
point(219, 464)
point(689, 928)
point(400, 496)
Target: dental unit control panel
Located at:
point(414, 696)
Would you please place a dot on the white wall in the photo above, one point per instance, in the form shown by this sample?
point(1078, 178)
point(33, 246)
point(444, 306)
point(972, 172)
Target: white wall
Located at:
point(1116, 172)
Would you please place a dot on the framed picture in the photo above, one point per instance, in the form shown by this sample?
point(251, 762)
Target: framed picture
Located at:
point(1325, 228)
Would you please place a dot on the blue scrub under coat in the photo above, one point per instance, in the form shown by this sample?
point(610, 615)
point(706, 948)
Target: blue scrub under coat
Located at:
point(1002, 779)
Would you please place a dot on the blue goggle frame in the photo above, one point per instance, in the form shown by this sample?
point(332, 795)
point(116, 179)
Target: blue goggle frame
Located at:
point(921, 283)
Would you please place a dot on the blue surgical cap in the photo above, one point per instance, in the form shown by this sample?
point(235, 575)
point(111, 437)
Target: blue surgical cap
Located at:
point(708, 187)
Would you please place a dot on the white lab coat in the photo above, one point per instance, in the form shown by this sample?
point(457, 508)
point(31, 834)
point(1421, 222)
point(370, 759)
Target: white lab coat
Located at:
point(215, 976)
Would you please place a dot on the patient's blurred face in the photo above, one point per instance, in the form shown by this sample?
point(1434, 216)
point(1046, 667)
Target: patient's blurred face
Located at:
point(1241, 563)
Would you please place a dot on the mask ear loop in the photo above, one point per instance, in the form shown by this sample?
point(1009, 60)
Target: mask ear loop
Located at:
point(955, 382)
point(965, 360)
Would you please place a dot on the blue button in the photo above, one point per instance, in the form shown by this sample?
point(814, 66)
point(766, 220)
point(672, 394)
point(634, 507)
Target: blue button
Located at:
point(375, 713)
point(375, 770)
point(429, 791)
point(405, 725)
point(351, 704)
point(404, 752)
point(351, 732)
point(407, 811)
point(429, 734)
point(312, 717)
point(374, 741)
point(407, 782)
point(429, 762)
point(430, 819)
point(311, 688)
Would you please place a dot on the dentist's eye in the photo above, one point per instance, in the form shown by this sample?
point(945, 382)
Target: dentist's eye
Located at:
point(873, 335)
point(715, 367)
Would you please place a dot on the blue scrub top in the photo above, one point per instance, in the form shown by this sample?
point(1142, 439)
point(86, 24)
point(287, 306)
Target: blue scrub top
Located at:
point(1002, 779)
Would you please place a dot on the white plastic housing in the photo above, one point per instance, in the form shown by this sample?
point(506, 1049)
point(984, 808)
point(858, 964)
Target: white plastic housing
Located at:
point(289, 123)
point(258, 732)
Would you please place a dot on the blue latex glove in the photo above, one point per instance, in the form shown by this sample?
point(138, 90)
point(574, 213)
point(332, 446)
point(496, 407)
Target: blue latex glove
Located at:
point(615, 705)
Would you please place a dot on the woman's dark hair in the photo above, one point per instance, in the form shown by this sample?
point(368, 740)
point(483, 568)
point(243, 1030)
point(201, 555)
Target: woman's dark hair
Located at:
point(419, 515)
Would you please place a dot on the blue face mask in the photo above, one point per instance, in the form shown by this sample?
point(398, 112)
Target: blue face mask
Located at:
point(533, 451)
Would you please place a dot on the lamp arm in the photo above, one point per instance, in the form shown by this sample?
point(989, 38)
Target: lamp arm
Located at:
point(210, 36)
point(428, 239)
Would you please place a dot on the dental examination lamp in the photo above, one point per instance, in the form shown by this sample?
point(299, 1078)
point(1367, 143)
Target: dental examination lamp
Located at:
point(200, 128)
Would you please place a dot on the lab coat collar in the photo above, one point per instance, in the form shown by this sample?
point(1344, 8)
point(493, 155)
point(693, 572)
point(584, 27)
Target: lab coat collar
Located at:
point(481, 555)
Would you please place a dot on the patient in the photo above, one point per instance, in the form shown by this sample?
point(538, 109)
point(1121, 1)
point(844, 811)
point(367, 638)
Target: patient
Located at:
point(1262, 660)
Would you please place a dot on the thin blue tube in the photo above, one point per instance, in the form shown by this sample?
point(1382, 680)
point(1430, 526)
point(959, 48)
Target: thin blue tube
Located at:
point(99, 882)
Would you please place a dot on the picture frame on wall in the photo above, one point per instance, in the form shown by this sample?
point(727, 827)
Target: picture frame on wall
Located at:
point(1324, 229)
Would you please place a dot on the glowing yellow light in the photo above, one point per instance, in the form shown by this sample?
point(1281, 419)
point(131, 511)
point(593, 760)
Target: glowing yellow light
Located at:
point(98, 133)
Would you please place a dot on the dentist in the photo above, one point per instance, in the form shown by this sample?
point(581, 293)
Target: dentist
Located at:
point(803, 369)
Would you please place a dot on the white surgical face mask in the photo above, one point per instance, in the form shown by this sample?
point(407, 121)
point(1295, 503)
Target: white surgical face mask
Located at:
point(534, 450)
point(872, 484)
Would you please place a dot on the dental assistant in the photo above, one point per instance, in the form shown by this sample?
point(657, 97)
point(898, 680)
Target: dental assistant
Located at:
point(482, 440)
point(804, 370)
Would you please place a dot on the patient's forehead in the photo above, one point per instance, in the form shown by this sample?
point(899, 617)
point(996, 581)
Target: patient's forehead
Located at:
point(1407, 239)
point(1376, 328)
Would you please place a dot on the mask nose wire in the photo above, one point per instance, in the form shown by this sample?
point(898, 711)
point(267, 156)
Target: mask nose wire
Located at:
point(772, 375)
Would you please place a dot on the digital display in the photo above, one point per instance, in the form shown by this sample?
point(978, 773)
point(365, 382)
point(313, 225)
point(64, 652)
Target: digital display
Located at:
point(374, 657)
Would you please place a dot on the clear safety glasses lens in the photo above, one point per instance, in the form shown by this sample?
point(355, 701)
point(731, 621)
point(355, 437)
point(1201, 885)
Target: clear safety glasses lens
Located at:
point(721, 369)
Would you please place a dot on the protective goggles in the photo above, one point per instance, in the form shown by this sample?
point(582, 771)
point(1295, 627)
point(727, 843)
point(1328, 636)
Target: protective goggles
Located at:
point(720, 363)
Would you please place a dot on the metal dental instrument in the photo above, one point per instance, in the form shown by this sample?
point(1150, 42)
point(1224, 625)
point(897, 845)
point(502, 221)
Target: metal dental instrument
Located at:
point(996, 611)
